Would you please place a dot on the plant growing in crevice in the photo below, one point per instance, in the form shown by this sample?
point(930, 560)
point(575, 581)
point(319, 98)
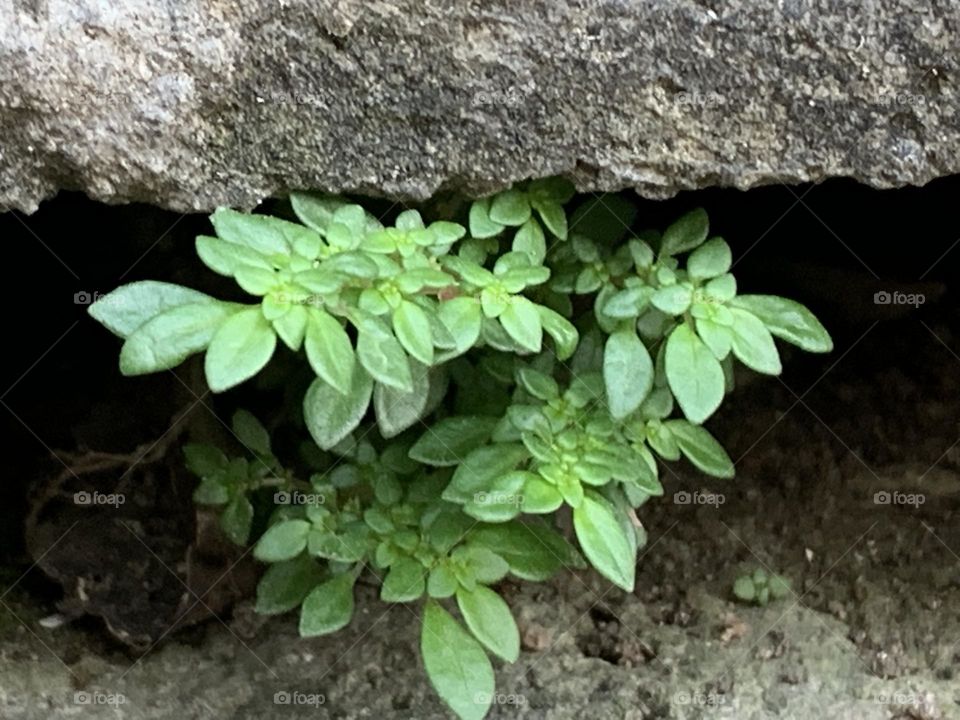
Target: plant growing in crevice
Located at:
point(470, 381)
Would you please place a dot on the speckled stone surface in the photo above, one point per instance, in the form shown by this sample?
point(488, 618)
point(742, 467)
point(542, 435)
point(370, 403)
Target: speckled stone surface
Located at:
point(190, 104)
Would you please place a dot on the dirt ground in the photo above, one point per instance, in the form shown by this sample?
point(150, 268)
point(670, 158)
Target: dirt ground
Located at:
point(870, 630)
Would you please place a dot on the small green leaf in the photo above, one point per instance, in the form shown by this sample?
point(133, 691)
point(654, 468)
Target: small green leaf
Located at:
point(165, 341)
point(285, 584)
point(226, 258)
point(701, 448)
point(442, 582)
point(384, 358)
point(686, 233)
point(405, 582)
point(694, 374)
point(329, 607)
point(282, 541)
point(522, 322)
point(533, 550)
point(412, 327)
point(553, 189)
point(627, 372)
point(211, 492)
point(605, 541)
point(236, 519)
point(719, 338)
point(779, 586)
point(480, 468)
point(397, 410)
point(241, 347)
point(541, 386)
point(130, 306)
point(463, 318)
point(447, 442)
point(251, 433)
point(709, 260)
point(329, 350)
point(292, 326)
point(481, 563)
point(456, 664)
point(490, 620)
point(510, 207)
point(672, 299)
point(563, 332)
point(788, 320)
point(262, 233)
point(553, 217)
point(744, 589)
point(481, 226)
point(204, 460)
point(530, 240)
point(753, 344)
point(330, 416)
point(540, 497)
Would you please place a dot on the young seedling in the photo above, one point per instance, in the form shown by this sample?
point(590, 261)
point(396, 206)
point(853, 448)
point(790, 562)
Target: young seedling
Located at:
point(760, 588)
point(470, 380)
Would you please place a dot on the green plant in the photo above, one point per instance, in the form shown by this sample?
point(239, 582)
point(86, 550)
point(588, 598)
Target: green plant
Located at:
point(760, 588)
point(531, 363)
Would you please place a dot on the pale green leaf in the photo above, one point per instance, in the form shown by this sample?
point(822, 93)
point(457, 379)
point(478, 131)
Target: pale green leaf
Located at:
point(329, 607)
point(490, 620)
point(694, 374)
point(456, 664)
point(788, 320)
point(331, 416)
point(241, 347)
point(627, 373)
point(753, 344)
point(605, 541)
point(130, 306)
point(171, 337)
point(329, 350)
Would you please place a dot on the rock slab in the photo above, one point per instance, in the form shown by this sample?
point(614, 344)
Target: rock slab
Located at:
point(191, 104)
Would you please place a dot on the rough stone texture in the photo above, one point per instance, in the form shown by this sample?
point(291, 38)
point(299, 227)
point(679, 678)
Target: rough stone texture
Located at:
point(190, 104)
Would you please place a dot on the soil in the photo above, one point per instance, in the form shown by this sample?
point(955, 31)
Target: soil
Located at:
point(870, 630)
